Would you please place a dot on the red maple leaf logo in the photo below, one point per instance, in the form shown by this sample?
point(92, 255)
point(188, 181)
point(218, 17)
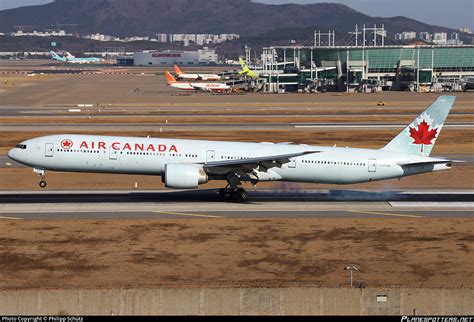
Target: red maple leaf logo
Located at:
point(423, 134)
point(66, 144)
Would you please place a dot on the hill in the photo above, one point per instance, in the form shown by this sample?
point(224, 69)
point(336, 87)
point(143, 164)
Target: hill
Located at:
point(148, 17)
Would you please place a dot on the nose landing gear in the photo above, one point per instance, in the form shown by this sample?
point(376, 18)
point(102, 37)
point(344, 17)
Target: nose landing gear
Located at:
point(41, 173)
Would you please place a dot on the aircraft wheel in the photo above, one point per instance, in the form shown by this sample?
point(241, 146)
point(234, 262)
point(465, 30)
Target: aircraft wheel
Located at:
point(242, 194)
point(224, 194)
point(42, 183)
point(239, 195)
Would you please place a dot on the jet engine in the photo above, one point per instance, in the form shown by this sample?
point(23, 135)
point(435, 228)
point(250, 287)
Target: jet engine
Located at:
point(184, 175)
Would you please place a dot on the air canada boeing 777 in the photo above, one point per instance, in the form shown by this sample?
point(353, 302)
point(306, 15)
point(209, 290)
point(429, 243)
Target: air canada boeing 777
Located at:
point(184, 164)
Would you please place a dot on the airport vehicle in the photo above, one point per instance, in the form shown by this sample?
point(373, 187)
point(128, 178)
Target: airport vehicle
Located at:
point(467, 83)
point(198, 77)
point(184, 164)
point(68, 58)
point(196, 86)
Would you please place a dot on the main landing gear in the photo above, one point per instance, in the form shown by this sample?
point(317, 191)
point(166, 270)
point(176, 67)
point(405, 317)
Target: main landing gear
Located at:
point(233, 194)
point(41, 173)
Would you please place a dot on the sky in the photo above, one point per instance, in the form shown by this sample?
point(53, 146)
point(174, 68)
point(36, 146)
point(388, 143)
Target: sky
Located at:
point(448, 13)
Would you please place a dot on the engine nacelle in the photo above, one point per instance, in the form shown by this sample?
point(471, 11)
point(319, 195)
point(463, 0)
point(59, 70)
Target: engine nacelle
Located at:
point(184, 175)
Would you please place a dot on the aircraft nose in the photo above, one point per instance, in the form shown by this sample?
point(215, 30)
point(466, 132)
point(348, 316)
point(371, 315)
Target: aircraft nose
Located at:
point(12, 154)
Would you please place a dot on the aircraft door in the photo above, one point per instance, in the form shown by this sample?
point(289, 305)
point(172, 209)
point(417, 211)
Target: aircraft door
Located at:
point(372, 165)
point(112, 154)
point(49, 149)
point(210, 156)
point(292, 163)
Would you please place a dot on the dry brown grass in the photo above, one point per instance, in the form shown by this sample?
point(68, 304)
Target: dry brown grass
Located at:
point(232, 252)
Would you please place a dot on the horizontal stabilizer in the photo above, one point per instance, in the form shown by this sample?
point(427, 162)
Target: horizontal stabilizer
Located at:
point(422, 162)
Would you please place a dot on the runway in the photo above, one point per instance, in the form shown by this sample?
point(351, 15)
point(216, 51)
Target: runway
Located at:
point(204, 111)
point(17, 205)
point(12, 127)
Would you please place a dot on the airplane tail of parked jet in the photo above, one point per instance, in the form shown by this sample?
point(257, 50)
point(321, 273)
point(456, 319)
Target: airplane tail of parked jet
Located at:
point(246, 71)
point(55, 56)
point(420, 136)
point(169, 78)
point(245, 68)
point(177, 70)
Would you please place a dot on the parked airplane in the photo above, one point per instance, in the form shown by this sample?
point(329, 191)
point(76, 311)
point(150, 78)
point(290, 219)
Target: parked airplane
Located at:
point(184, 164)
point(196, 86)
point(199, 77)
point(254, 73)
point(246, 71)
point(68, 58)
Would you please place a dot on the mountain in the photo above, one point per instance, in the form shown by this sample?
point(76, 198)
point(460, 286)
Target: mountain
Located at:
point(148, 17)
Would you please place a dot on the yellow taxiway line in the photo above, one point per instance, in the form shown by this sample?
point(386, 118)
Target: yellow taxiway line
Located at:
point(186, 214)
point(14, 218)
point(384, 214)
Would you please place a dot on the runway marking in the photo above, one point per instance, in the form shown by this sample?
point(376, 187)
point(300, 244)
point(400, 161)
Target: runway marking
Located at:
point(384, 214)
point(186, 214)
point(14, 218)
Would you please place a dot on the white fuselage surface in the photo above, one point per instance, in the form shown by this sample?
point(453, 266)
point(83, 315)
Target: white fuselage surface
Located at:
point(184, 164)
point(133, 155)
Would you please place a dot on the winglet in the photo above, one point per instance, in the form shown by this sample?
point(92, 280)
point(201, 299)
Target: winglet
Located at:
point(177, 69)
point(169, 78)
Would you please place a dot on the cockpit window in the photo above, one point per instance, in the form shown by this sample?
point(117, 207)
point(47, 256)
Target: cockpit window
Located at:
point(21, 146)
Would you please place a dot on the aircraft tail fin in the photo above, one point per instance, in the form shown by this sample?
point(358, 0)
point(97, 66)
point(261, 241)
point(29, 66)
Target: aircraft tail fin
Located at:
point(246, 71)
point(169, 78)
point(420, 136)
point(178, 70)
point(243, 64)
point(55, 56)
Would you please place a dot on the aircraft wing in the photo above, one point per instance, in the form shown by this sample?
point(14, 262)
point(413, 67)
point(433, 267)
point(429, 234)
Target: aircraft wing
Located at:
point(261, 163)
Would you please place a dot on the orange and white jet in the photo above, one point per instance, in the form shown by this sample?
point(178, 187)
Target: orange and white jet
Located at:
point(198, 77)
point(196, 86)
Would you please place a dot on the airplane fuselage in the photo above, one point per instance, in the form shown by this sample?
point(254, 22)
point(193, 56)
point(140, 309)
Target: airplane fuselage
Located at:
point(203, 77)
point(200, 86)
point(150, 156)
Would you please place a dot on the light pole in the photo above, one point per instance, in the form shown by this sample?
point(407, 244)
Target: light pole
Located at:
point(351, 268)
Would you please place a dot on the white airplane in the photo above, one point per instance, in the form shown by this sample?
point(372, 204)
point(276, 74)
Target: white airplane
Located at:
point(184, 164)
point(196, 86)
point(198, 77)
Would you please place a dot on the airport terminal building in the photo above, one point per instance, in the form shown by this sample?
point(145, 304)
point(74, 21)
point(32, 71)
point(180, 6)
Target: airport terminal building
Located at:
point(351, 68)
point(169, 58)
